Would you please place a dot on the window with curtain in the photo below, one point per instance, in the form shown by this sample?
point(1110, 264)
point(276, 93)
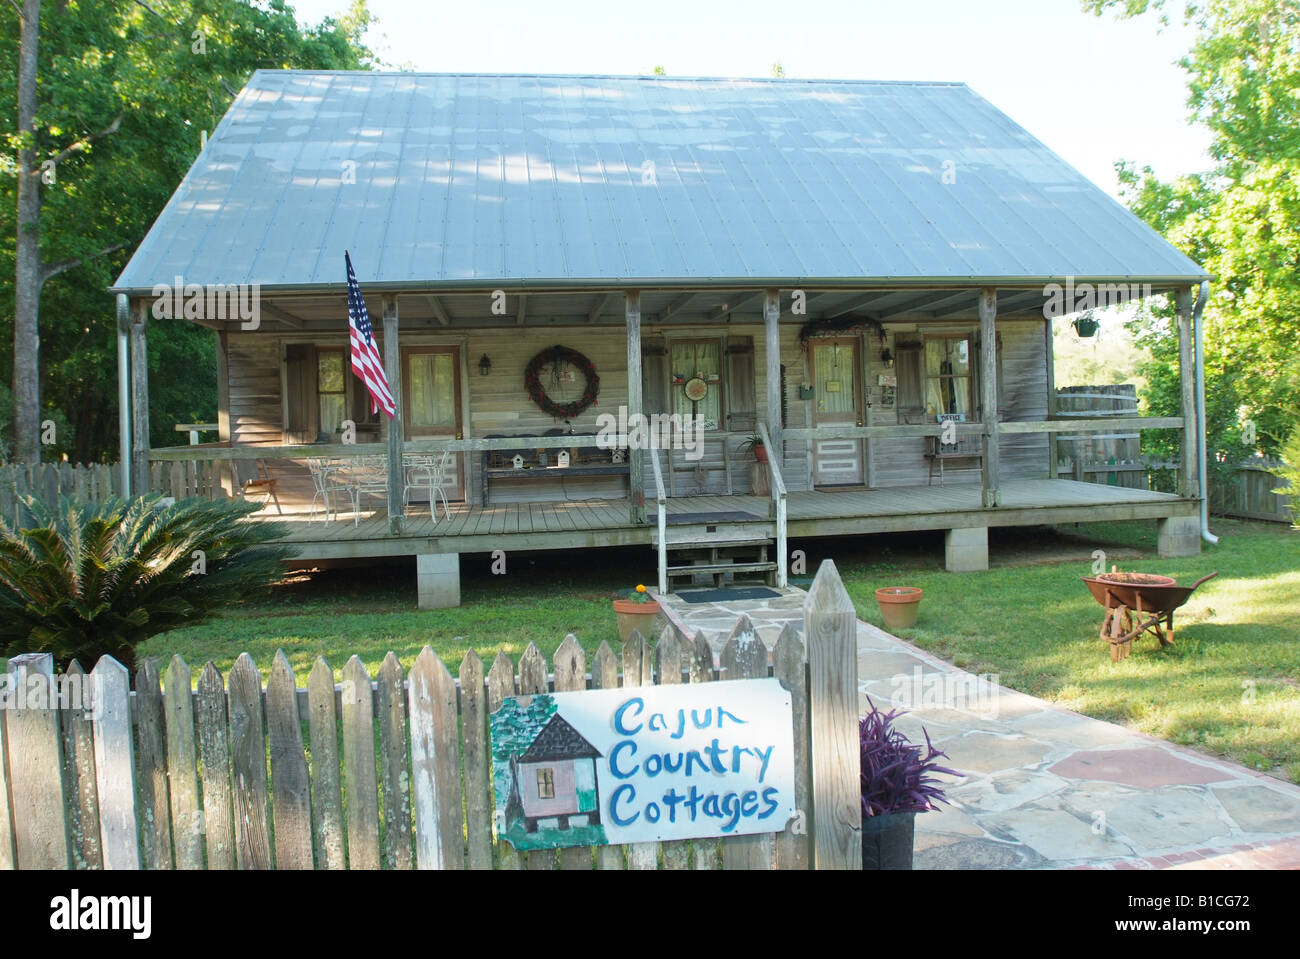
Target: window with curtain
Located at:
point(948, 375)
point(687, 360)
point(331, 388)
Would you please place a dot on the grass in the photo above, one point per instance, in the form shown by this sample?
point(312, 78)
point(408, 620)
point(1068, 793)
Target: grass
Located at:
point(1229, 686)
point(369, 610)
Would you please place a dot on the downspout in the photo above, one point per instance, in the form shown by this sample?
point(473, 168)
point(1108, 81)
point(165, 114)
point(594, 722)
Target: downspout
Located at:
point(1202, 298)
point(124, 391)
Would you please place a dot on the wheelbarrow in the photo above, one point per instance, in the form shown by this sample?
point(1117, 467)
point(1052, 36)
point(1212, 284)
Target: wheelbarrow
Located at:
point(1138, 603)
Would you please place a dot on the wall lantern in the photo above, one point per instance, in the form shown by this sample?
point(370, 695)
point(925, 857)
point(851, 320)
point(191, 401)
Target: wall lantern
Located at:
point(484, 365)
point(886, 357)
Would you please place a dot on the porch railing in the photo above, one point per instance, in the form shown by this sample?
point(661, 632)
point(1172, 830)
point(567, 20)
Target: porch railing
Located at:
point(778, 504)
point(661, 504)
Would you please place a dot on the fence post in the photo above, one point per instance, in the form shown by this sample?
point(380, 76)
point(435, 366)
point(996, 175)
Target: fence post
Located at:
point(36, 764)
point(110, 688)
point(830, 627)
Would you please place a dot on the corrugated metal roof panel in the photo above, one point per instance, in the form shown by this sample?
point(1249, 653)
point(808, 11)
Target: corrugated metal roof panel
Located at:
point(480, 179)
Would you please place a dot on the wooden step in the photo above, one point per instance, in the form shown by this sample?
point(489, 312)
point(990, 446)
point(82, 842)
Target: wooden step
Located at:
point(722, 568)
point(720, 543)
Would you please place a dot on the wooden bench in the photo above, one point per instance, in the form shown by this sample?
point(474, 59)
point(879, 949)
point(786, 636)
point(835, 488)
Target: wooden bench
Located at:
point(966, 448)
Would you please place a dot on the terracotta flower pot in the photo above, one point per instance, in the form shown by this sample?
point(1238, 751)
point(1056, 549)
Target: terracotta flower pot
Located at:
point(635, 616)
point(899, 605)
point(760, 453)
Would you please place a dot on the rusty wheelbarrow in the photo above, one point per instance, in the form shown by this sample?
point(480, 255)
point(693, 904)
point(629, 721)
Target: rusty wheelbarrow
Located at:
point(1138, 603)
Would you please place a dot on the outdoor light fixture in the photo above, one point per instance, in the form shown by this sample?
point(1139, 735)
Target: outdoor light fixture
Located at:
point(484, 365)
point(887, 357)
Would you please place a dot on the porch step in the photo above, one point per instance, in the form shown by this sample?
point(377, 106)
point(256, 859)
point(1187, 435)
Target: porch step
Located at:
point(722, 568)
point(714, 539)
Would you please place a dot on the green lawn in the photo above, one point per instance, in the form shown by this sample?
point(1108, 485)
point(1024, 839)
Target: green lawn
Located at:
point(368, 611)
point(1229, 686)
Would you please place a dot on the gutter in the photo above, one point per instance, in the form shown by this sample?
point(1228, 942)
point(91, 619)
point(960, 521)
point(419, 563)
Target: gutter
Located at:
point(1198, 310)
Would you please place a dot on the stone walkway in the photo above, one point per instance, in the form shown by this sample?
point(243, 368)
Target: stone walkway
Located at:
point(1044, 787)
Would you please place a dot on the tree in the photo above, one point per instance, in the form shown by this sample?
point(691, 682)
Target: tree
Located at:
point(125, 87)
point(1240, 219)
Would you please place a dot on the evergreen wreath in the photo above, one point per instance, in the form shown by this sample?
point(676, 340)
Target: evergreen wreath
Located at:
point(561, 354)
point(838, 326)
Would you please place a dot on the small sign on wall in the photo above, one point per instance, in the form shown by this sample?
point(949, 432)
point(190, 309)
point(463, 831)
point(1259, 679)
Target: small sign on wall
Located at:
point(654, 763)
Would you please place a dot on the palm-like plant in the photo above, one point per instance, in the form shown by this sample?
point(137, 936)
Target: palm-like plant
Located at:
point(86, 580)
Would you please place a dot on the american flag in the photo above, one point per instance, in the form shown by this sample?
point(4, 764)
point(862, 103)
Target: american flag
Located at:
point(365, 358)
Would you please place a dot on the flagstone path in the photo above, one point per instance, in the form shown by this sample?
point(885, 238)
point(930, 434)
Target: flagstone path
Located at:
point(1044, 787)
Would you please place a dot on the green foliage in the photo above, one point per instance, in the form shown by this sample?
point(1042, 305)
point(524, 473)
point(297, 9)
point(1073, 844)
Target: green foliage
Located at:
point(1241, 220)
point(1290, 474)
point(107, 60)
point(86, 580)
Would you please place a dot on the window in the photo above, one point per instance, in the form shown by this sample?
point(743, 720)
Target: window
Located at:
point(331, 388)
point(689, 361)
point(948, 375)
point(546, 783)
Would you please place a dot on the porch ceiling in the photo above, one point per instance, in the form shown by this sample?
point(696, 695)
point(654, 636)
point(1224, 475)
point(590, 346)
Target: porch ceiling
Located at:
point(464, 311)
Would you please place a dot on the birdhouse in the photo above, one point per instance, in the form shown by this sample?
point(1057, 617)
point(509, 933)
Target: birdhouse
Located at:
point(518, 461)
point(562, 459)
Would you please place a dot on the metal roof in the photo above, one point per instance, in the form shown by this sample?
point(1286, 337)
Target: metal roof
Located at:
point(465, 181)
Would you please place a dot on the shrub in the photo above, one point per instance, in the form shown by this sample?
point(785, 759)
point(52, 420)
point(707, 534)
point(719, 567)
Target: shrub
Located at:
point(1289, 472)
point(87, 580)
point(897, 774)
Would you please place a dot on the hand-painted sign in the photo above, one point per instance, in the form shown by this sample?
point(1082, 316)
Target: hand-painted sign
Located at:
point(643, 764)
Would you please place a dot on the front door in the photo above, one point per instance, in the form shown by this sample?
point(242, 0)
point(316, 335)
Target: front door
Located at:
point(837, 401)
point(431, 403)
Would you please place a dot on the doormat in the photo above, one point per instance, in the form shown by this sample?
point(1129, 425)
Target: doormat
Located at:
point(842, 489)
point(721, 516)
point(726, 594)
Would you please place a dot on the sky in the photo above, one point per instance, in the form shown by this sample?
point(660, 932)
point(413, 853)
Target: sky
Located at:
point(1093, 89)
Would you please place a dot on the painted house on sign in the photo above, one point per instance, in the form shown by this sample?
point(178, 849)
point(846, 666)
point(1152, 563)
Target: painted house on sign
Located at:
point(554, 778)
point(859, 275)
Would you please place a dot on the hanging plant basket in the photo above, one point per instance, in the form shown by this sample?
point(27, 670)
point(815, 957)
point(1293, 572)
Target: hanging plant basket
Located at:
point(1086, 326)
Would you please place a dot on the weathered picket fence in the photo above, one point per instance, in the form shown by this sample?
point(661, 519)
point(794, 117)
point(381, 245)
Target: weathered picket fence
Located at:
point(175, 775)
point(1249, 492)
point(96, 482)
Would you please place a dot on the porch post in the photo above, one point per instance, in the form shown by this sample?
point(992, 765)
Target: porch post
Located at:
point(772, 352)
point(124, 393)
point(635, 455)
point(393, 367)
point(1189, 485)
point(989, 396)
point(1051, 397)
point(140, 483)
point(223, 411)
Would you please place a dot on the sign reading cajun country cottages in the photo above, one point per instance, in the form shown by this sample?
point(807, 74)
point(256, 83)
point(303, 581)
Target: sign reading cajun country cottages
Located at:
point(643, 764)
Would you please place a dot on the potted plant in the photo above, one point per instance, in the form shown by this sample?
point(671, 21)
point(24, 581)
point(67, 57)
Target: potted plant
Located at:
point(755, 443)
point(897, 781)
point(636, 612)
point(899, 605)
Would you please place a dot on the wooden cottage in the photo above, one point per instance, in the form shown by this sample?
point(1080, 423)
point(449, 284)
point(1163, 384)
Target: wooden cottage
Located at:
point(857, 274)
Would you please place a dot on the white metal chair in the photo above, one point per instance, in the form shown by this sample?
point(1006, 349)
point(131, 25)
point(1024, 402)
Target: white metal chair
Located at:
point(329, 482)
point(428, 473)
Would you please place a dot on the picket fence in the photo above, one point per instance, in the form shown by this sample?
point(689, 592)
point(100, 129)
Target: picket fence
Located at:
point(96, 482)
point(171, 775)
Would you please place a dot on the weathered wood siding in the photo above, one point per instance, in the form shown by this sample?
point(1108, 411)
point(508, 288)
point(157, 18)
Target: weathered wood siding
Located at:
point(1023, 396)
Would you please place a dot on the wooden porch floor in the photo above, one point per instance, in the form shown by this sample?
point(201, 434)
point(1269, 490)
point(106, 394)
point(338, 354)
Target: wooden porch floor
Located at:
point(564, 525)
